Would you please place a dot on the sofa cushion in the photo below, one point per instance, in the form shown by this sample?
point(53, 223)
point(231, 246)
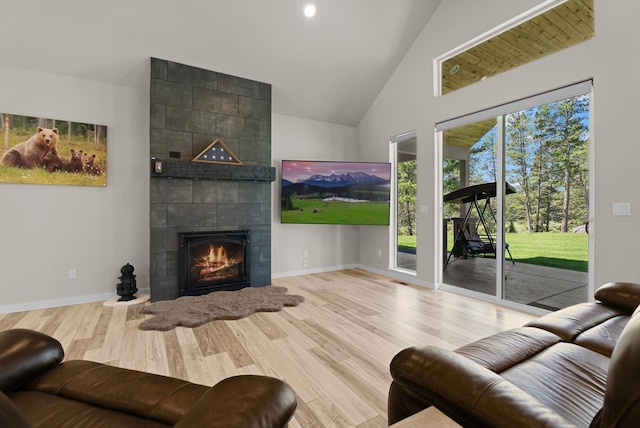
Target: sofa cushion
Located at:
point(569, 322)
point(508, 348)
point(603, 337)
point(567, 378)
point(147, 395)
point(46, 410)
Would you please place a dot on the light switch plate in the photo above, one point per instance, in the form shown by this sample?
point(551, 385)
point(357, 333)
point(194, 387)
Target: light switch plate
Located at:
point(622, 208)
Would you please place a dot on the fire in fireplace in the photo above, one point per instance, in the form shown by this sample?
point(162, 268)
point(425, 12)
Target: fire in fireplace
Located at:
point(213, 261)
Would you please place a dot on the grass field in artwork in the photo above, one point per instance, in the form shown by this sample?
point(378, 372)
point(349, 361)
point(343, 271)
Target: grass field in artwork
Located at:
point(317, 211)
point(41, 176)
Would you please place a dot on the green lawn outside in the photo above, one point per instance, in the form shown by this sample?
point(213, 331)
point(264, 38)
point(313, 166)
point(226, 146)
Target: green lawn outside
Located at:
point(407, 241)
point(561, 250)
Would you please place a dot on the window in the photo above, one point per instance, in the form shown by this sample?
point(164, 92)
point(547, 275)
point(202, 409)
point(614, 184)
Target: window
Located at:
point(552, 26)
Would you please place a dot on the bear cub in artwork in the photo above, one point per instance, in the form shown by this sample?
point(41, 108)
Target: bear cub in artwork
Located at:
point(90, 166)
point(75, 163)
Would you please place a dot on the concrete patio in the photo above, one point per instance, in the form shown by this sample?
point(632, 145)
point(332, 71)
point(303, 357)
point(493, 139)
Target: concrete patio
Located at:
point(538, 286)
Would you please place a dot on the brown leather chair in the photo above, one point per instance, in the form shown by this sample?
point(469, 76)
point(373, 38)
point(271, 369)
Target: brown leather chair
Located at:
point(39, 390)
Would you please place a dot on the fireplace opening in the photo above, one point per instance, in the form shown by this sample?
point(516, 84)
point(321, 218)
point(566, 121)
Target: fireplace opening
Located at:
point(213, 261)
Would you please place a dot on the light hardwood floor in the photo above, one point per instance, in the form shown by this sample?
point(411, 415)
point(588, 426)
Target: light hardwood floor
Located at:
point(334, 349)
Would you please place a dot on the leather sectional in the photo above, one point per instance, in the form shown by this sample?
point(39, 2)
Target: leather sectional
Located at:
point(37, 389)
point(576, 367)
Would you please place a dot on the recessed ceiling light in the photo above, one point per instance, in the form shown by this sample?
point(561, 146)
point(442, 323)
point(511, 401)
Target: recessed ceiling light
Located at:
point(454, 69)
point(309, 10)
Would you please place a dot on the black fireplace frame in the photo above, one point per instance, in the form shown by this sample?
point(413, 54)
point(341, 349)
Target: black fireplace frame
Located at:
point(238, 237)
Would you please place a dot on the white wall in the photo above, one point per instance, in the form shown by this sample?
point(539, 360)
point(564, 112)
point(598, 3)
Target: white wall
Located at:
point(47, 230)
point(407, 102)
point(329, 246)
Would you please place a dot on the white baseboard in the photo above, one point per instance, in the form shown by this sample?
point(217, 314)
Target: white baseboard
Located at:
point(395, 274)
point(400, 275)
point(310, 271)
point(55, 303)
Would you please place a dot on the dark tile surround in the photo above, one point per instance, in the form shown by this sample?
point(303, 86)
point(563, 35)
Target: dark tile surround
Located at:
point(190, 108)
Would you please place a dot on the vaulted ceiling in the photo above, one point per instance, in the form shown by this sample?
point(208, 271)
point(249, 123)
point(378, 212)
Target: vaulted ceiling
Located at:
point(329, 68)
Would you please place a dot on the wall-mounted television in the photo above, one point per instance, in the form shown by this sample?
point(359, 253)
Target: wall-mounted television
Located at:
point(323, 192)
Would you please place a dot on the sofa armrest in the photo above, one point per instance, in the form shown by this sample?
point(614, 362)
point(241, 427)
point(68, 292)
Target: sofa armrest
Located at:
point(467, 392)
point(245, 401)
point(24, 354)
point(624, 295)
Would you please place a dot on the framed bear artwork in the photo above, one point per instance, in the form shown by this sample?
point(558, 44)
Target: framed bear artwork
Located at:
point(35, 150)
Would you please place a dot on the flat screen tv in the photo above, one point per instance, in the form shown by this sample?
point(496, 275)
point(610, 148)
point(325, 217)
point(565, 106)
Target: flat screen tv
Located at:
point(322, 192)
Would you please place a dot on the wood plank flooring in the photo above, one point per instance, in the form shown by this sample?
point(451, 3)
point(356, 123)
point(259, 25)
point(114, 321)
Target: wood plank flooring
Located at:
point(334, 349)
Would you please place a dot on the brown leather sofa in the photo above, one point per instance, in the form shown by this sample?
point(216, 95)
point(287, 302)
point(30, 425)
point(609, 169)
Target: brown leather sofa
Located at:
point(576, 367)
point(37, 389)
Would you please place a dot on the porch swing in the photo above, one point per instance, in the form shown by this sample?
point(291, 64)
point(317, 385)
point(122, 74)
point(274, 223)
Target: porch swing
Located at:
point(466, 236)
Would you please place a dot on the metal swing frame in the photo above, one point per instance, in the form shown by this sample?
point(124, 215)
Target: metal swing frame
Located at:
point(473, 194)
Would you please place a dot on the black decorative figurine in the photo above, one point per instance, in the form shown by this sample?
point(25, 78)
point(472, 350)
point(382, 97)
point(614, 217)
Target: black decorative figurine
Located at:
point(127, 286)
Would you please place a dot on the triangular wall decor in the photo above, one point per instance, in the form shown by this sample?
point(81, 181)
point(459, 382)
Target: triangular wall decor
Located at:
point(217, 152)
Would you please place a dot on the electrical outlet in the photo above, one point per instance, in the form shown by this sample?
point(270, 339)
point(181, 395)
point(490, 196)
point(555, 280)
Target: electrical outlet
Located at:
point(305, 262)
point(73, 274)
point(305, 253)
point(379, 253)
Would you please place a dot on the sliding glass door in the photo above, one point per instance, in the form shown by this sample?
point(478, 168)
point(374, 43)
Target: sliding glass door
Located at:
point(515, 186)
point(405, 239)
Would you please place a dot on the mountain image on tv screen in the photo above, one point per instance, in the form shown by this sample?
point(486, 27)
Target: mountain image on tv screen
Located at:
point(323, 192)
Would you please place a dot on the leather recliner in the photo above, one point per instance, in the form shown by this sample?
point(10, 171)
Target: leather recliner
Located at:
point(37, 389)
point(576, 367)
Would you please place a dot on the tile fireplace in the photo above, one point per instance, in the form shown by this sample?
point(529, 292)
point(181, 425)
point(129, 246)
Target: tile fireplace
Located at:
point(189, 109)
